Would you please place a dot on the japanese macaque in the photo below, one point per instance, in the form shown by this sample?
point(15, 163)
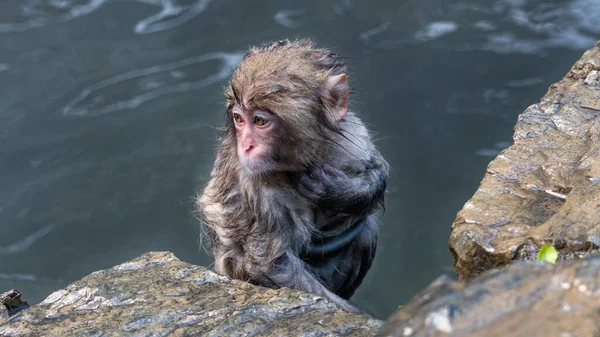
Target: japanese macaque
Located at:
point(297, 179)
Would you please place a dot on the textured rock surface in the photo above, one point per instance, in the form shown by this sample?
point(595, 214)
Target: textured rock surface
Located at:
point(11, 303)
point(159, 295)
point(545, 188)
point(526, 299)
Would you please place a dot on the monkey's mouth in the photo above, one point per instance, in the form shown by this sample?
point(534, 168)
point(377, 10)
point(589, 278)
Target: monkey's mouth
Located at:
point(257, 166)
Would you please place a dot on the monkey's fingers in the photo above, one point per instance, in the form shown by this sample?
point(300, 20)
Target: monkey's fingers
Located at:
point(331, 180)
point(321, 174)
point(337, 181)
point(333, 171)
point(310, 188)
point(345, 305)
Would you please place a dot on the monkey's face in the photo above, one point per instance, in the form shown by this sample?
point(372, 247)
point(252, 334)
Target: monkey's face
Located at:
point(255, 134)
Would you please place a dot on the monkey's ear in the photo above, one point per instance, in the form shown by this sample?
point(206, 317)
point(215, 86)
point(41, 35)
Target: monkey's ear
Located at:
point(337, 87)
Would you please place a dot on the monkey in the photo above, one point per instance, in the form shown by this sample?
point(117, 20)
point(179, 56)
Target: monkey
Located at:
point(293, 196)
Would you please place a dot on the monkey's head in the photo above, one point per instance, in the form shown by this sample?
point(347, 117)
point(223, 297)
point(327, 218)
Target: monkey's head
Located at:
point(284, 102)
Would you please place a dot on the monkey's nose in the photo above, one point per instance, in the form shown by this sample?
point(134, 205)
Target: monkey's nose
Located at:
point(249, 148)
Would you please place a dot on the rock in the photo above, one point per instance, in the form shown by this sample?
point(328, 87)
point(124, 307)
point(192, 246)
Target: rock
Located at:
point(3, 313)
point(11, 303)
point(158, 295)
point(526, 299)
point(545, 188)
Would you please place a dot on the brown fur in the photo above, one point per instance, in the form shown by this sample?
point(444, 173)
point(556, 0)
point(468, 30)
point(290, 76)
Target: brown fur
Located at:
point(261, 225)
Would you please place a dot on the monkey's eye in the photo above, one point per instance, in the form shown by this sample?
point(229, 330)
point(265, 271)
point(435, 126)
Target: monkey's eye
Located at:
point(259, 121)
point(237, 118)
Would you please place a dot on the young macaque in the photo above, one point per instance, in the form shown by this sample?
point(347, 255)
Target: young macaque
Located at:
point(297, 179)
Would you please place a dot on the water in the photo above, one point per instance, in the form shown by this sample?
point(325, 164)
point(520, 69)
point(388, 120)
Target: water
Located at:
point(108, 110)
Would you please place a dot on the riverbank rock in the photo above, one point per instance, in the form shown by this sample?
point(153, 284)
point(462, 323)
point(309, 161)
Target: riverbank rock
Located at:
point(158, 295)
point(528, 298)
point(545, 188)
point(10, 304)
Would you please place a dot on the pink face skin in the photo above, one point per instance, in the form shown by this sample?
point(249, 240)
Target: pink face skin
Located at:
point(254, 132)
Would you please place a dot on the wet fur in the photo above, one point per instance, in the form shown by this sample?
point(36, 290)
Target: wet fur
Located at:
point(262, 228)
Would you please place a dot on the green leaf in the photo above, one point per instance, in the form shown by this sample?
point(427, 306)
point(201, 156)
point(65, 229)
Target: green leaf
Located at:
point(548, 253)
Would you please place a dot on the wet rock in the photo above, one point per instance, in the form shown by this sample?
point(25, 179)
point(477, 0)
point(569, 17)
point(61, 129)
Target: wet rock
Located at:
point(528, 298)
point(158, 295)
point(545, 188)
point(11, 303)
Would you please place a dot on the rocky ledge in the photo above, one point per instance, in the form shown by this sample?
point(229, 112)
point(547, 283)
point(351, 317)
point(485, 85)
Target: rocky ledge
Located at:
point(526, 299)
point(545, 188)
point(158, 295)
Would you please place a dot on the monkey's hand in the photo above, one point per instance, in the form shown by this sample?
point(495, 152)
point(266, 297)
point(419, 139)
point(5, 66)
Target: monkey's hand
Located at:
point(322, 181)
point(333, 189)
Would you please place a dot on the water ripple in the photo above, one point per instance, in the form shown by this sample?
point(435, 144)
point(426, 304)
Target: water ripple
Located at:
point(171, 15)
point(502, 26)
point(152, 82)
point(489, 152)
point(374, 31)
point(33, 14)
point(39, 13)
point(23, 244)
point(436, 29)
point(18, 277)
point(290, 18)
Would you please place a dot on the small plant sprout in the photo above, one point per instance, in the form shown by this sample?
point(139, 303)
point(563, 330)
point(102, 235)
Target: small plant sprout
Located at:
point(548, 253)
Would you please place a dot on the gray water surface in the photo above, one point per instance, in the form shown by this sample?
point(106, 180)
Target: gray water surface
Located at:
point(109, 110)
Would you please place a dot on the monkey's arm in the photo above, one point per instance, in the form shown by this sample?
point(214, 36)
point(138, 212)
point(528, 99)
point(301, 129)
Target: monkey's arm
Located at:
point(290, 271)
point(282, 229)
point(332, 188)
